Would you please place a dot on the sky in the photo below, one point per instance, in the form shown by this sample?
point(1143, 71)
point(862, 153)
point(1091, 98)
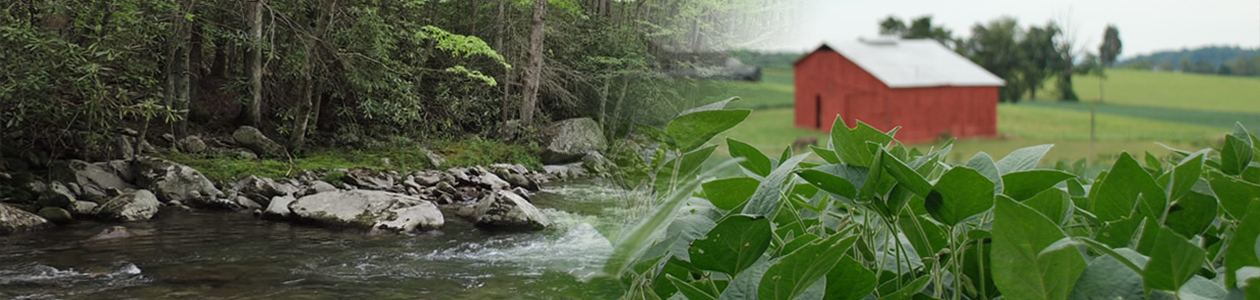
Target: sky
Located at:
point(1145, 26)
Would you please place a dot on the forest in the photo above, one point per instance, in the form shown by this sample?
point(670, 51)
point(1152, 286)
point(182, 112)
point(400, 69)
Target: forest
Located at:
point(329, 72)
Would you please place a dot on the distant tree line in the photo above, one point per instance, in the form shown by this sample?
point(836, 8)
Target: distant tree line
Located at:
point(1221, 60)
point(1025, 57)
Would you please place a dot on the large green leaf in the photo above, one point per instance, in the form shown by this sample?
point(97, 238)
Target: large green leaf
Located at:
point(765, 200)
point(798, 271)
point(1117, 195)
point(830, 183)
point(1020, 269)
point(1234, 194)
point(688, 290)
point(826, 154)
point(1241, 251)
point(904, 175)
point(694, 129)
point(733, 245)
point(927, 237)
point(1119, 233)
point(1025, 184)
point(635, 241)
point(1108, 278)
point(1192, 214)
point(1023, 159)
point(849, 280)
point(1053, 203)
point(910, 291)
point(958, 195)
point(754, 161)
point(982, 163)
point(729, 193)
point(850, 144)
point(1237, 153)
point(1172, 262)
point(686, 166)
point(745, 286)
point(1184, 176)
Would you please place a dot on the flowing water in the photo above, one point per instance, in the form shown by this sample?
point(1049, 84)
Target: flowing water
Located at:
point(222, 255)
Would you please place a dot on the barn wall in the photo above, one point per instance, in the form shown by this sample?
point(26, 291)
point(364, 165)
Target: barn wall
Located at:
point(926, 114)
point(846, 90)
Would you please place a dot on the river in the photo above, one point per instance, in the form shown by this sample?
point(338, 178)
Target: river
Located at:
point(227, 255)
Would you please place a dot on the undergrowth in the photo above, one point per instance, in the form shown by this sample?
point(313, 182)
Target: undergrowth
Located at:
point(403, 157)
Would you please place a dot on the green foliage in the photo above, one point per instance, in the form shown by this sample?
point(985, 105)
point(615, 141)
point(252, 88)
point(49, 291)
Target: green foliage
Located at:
point(858, 225)
point(402, 157)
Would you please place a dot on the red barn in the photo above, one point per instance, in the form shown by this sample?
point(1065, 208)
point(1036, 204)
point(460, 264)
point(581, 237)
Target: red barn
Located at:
point(920, 85)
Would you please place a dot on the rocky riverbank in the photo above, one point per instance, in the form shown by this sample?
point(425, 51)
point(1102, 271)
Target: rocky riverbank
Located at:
point(494, 197)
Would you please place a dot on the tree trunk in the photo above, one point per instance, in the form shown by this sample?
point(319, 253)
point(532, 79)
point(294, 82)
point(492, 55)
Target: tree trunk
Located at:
point(253, 110)
point(182, 83)
point(218, 68)
point(533, 72)
point(298, 137)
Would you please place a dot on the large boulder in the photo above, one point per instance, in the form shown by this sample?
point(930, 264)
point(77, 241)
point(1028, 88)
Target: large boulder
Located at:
point(368, 209)
point(83, 208)
point(135, 205)
point(57, 195)
point(279, 208)
point(369, 179)
point(191, 144)
point(97, 181)
point(504, 209)
point(254, 140)
point(56, 215)
point(172, 181)
point(13, 219)
point(568, 140)
point(261, 189)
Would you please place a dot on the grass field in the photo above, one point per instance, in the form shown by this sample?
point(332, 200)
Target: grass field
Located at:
point(1179, 113)
point(1173, 90)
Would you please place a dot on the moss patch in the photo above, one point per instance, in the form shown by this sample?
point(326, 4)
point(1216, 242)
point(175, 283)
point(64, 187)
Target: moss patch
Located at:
point(403, 157)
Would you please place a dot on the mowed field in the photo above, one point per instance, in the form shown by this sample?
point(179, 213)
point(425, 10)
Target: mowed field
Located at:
point(1124, 123)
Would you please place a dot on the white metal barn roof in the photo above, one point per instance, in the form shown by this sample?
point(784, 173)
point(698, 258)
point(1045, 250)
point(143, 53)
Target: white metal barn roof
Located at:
point(915, 63)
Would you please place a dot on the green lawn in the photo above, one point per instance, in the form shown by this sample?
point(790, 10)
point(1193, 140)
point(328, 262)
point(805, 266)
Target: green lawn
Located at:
point(1173, 90)
point(771, 130)
point(774, 91)
point(1219, 119)
point(1144, 109)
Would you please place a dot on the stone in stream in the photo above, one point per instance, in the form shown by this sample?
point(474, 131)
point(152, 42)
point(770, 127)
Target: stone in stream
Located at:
point(95, 180)
point(519, 180)
point(13, 219)
point(172, 181)
point(568, 140)
point(135, 205)
point(56, 215)
point(504, 209)
point(368, 209)
point(261, 190)
point(83, 208)
point(112, 233)
point(279, 208)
